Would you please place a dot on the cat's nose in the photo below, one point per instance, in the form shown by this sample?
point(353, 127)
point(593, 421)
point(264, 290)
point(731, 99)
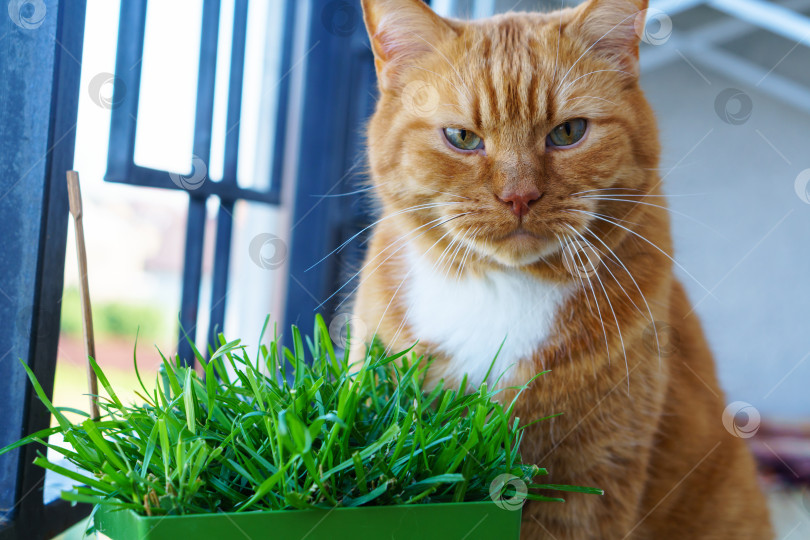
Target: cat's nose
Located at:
point(520, 200)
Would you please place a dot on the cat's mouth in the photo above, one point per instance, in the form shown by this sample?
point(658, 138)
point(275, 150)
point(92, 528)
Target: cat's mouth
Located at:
point(522, 246)
point(520, 234)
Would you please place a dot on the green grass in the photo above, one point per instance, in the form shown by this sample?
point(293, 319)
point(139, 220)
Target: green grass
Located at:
point(70, 386)
point(321, 433)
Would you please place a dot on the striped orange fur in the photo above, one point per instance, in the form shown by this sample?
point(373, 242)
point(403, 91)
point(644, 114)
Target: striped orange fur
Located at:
point(580, 275)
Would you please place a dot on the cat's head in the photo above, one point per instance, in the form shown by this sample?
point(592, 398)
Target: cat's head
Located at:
point(496, 133)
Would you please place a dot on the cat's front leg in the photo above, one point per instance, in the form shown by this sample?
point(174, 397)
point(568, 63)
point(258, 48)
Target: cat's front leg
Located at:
point(614, 515)
point(604, 438)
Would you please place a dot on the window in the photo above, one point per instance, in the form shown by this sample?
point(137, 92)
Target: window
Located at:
point(207, 104)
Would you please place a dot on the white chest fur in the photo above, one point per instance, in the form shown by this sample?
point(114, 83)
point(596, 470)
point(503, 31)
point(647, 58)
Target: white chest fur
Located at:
point(466, 320)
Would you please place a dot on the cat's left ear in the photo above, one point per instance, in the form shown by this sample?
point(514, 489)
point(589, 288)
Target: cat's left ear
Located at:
point(614, 28)
point(400, 32)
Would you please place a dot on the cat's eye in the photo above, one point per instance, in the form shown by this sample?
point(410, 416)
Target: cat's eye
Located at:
point(463, 139)
point(568, 133)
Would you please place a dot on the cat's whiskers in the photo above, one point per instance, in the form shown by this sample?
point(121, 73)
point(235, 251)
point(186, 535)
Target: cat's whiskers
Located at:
point(607, 189)
point(404, 244)
point(642, 237)
point(438, 264)
point(638, 192)
point(670, 210)
point(398, 213)
point(581, 281)
point(460, 266)
point(446, 193)
point(566, 246)
point(638, 288)
point(596, 301)
point(612, 194)
point(669, 170)
point(349, 194)
point(610, 217)
point(405, 316)
point(401, 283)
point(402, 239)
point(590, 310)
point(451, 259)
point(609, 257)
point(401, 325)
point(612, 310)
point(467, 251)
point(444, 262)
point(355, 192)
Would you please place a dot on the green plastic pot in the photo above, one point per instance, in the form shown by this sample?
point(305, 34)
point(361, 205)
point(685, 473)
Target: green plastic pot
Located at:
point(474, 520)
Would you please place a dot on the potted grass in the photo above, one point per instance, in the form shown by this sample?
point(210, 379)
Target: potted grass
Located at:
point(298, 443)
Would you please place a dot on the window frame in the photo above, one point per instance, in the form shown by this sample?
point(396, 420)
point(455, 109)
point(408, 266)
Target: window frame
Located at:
point(327, 99)
point(54, 89)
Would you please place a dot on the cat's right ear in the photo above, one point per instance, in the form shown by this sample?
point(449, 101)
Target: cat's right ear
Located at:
point(400, 32)
point(613, 27)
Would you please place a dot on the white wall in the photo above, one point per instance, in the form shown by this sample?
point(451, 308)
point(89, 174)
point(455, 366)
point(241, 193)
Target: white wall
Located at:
point(754, 254)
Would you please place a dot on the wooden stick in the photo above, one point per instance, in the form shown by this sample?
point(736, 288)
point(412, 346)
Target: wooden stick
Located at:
point(75, 200)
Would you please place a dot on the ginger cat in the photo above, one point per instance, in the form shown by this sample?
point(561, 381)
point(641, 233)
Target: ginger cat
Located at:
point(515, 162)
